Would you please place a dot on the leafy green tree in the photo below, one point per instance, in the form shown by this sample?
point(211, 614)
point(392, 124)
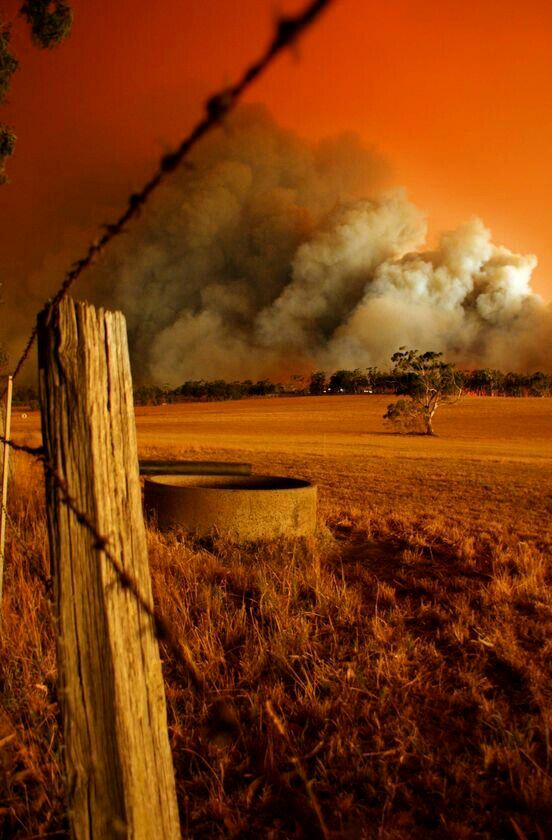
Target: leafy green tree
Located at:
point(297, 384)
point(317, 382)
point(8, 66)
point(50, 22)
point(540, 384)
point(487, 381)
point(514, 385)
point(383, 381)
point(359, 381)
point(404, 416)
point(425, 381)
point(8, 62)
point(342, 382)
point(372, 377)
point(262, 388)
point(350, 381)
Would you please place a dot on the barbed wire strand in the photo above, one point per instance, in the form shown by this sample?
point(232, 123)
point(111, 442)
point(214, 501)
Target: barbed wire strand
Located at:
point(161, 626)
point(33, 451)
point(217, 107)
point(288, 30)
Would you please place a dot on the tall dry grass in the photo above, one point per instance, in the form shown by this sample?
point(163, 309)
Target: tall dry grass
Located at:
point(31, 775)
point(388, 678)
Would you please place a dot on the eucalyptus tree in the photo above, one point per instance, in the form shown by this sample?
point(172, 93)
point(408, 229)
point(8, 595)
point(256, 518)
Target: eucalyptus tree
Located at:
point(425, 381)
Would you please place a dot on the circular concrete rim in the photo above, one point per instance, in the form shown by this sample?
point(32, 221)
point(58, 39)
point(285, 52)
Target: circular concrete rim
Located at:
point(243, 507)
point(231, 483)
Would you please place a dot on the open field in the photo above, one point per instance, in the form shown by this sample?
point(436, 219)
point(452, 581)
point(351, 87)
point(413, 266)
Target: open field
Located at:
point(489, 468)
point(389, 678)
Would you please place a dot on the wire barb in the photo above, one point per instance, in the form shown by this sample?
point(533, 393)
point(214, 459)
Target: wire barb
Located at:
point(33, 451)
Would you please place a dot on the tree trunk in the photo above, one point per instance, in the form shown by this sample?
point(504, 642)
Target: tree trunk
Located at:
point(429, 422)
point(120, 781)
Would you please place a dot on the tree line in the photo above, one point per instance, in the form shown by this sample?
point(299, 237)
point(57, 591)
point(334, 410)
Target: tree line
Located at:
point(483, 382)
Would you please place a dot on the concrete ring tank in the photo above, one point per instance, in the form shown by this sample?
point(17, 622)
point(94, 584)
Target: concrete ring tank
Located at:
point(252, 507)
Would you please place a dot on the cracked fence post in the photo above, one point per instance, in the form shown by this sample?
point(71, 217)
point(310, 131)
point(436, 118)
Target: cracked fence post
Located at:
point(120, 779)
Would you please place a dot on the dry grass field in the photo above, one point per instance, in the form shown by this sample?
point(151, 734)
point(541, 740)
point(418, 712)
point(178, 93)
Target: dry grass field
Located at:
point(388, 678)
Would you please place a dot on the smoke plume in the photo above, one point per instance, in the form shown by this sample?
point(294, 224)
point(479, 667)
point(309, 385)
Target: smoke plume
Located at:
point(267, 255)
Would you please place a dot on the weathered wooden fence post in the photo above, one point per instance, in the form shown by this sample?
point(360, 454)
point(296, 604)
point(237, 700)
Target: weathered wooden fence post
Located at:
point(120, 778)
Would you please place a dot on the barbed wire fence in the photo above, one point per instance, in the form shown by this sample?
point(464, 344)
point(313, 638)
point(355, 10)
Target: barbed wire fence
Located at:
point(287, 31)
point(217, 107)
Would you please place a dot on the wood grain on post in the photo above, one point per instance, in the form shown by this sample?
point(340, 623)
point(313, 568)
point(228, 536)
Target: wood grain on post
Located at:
point(120, 778)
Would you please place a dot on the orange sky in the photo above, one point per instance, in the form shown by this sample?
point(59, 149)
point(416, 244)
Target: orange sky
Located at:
point(457, 95)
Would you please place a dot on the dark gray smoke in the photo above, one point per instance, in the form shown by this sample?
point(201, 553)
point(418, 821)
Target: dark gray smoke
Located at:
point(266, 256)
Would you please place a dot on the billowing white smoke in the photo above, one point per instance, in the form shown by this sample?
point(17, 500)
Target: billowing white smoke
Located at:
point(469, 298)
point(265, 257)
